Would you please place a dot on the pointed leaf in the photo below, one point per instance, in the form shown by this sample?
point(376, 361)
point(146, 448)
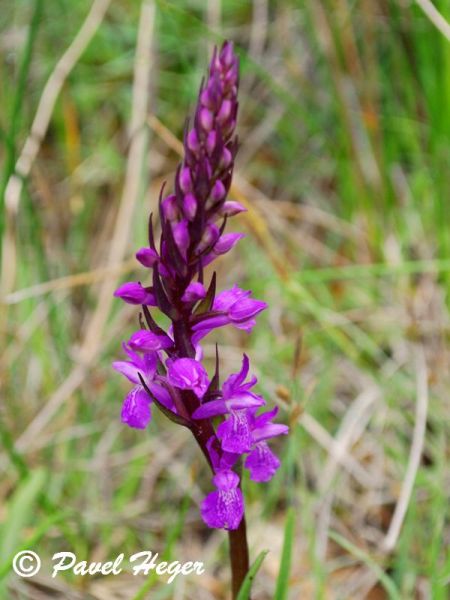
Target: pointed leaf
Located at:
point(246, 588)
point(206, 304)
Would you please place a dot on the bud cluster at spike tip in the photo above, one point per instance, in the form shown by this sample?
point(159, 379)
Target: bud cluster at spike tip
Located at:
point(166, 366)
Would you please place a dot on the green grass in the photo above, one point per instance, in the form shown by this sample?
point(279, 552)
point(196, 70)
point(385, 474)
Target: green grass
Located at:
point(356, 169)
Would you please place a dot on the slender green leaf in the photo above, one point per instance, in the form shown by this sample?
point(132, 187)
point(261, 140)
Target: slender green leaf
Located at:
point(244, 592)
point(384, 579)
point(281, 590)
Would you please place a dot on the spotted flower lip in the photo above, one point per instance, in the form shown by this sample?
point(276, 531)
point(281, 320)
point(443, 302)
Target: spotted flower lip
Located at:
point(224, 507)
point(166, 363)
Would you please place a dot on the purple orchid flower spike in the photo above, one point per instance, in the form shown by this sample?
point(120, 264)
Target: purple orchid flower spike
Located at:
point(166, 365)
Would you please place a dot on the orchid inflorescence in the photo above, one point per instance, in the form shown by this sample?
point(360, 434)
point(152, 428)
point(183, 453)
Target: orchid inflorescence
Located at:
point(166, 366)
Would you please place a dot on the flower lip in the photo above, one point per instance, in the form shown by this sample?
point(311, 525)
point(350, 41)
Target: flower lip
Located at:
point(136, 408)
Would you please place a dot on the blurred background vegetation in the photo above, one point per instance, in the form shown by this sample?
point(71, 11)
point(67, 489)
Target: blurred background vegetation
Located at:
point(344, 163)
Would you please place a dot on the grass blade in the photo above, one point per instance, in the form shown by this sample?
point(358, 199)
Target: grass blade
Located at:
point(384, 579)
point(281, 590)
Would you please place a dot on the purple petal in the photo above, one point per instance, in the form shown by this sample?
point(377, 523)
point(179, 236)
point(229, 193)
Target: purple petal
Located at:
point(190, 205)
point(236, 379)
point(147, 257)
point(227, 241)
point(224, 508)
point(136, 408)
point(226, 480)
point(246, 309)
point(210, 236)
point(161, 394)
point(128, 369)
point(244, 400)
point(211, 323)
point(269, 430)
point(225, 161)
point(194, 291)
point(265, 417)
point(188, 374)
point(185, 180)
point(225, 300)
point(147, 341)
point(132, 292)
point(231, 208)
point(262, 463)
point(218, 191)
point(210, 409)
point(193, 141)
point(235, 434)
point(181, 236)
point(225, 111)
point(169, 208)
point(206, 119)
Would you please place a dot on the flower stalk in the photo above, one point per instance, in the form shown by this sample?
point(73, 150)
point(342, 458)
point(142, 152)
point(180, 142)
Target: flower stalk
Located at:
point(166, 366)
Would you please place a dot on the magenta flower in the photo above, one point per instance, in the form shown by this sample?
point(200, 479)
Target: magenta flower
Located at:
point(147, 341)
point(188, 374)
point(134, 293)
point(235, 395)
point(224, 507)
point(230, 307)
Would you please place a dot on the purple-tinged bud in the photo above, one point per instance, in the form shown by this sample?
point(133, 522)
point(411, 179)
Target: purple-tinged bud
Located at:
point(147, 257)
point(181, 236)
point(227, 55)
point(211, 141)
point(231, 208)
point(194, 291)
point(206, 119)
point(190, 206)
point(193, 143)
point(209, 238)
point(226, 159)
point(170, 208)
point(211, 95)
point(147, 341)
point(224, 112)
point(136, 408)
point(228, 128)
point(188, 374)
point(218, 191)
point(226, 242)
point(132, 292)
point(185, 180)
